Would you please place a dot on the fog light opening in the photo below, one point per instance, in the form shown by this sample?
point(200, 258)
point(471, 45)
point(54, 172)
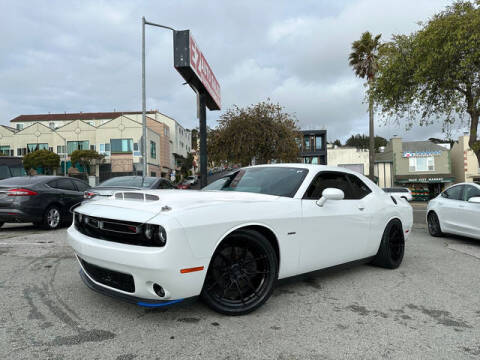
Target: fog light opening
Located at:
point(158, 290)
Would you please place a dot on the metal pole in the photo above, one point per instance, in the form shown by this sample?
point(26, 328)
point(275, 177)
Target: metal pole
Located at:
point(144, 104)
point(203, 138)
point(65, 155)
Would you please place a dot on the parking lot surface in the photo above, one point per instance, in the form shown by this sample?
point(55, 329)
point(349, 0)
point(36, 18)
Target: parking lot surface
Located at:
point(429, 308)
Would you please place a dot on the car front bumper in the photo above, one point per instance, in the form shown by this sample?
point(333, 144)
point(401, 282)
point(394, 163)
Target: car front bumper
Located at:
point(146, 266)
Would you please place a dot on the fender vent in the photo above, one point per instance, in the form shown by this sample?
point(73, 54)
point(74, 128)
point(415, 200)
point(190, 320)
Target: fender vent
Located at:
point(393, 199)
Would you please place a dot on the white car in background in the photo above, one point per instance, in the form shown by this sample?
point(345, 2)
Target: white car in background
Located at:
point(230, 242)
point(455, 211)
point(400, 192)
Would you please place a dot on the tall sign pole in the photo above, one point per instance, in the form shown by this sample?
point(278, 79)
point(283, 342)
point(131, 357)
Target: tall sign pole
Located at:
point(190, 62)
point(144, 106)
point(202, 115)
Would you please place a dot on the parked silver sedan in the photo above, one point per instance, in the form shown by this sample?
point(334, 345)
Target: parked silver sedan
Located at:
point(455, 211)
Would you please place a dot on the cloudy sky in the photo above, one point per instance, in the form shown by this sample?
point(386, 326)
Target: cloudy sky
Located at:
point(71, 56)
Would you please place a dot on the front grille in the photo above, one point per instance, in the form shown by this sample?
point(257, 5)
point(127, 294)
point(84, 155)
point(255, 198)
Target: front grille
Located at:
point(108, 277)
point(125, 232)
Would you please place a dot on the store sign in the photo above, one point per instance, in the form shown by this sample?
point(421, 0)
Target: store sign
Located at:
point(429, 180)
point(408, 154)
point(192, 65)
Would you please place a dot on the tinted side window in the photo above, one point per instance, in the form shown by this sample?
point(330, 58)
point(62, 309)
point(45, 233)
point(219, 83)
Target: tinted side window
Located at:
point(453, 193)
point(328, 180)
point(65, 184)
point(359, 189)
point(81, 186)
point(470, 191)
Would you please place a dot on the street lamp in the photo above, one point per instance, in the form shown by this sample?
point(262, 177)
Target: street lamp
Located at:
point(144, 99)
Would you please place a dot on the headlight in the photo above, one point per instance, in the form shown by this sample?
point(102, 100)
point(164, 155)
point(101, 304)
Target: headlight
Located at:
point(155, 234)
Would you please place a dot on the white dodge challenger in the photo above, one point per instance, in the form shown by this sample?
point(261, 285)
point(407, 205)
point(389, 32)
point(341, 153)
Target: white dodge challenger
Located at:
point(230, 242)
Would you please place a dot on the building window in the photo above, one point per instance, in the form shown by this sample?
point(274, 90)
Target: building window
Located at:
point(153, 150)
point(76, 145)
point(35, 147)
point(165, 131)
point(92, 147)
point(318, 143)
point(121, 146)
point(135, 146)
point(314, 160)
point(153, 174)
point(421, 164)
point(104, 149)
point(21, 151)
point(306, 143)
point(50, 148)
point(5, 150)
point(19, 126)
point(60, 149)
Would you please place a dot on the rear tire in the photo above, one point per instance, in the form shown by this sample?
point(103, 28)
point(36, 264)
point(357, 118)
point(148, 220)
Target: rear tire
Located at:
point(53, 218)
point(241, 275)
point(392, 247)
point(433, 224)
point(1, 223)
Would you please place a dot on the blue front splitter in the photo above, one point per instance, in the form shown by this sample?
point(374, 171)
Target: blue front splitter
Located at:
point(128, 298)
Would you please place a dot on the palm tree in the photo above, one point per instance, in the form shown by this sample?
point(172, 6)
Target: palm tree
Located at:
point(364, 61)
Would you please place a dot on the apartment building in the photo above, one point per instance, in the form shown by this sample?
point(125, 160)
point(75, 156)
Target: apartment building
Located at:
point(422, 166)
point(117, 135)
point(313, 147)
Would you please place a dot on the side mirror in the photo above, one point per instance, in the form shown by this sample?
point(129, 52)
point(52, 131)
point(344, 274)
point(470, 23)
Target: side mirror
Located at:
point(475, 199)
point(330, 194)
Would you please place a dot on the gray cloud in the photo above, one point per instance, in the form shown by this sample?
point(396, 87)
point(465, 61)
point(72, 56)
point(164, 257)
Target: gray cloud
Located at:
point(85, 56)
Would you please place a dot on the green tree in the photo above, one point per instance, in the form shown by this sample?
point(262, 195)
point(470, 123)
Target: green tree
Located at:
point(433, 74)
point(45, 159)
point(262, 131)
point(363, 141)
point(85, 158)
point(337, 143)
point(194, 139)
point(364, 61)
point(186, 165)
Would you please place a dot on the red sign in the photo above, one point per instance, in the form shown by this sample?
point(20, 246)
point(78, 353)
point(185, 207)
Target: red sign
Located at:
point(200, 65)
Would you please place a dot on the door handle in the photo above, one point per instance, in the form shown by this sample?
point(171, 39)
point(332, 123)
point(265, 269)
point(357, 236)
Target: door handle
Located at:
point(361, 208)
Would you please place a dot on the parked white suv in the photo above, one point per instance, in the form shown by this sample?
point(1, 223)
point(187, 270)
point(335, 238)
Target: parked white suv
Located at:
point(400, 192)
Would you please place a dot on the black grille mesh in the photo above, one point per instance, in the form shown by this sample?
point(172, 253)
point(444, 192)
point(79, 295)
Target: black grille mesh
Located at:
point(108, 277)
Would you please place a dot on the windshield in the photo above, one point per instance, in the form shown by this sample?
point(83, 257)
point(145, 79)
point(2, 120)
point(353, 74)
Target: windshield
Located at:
point(127, 181)
point(279, 181)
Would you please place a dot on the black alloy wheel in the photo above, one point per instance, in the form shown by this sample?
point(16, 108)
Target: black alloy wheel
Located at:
point(241, 275)
point(392, 246)
point(433, 223)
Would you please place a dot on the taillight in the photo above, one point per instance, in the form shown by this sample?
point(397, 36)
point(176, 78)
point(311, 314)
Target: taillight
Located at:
point(88, 194)
point(21, 192)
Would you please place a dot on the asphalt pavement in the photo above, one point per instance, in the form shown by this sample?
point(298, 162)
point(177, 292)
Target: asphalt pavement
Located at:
point(427, 309)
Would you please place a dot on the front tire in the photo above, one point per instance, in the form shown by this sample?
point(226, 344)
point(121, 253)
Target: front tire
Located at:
point(433, 223)
point(392, 247)
point(52, 219)
point(241, 275)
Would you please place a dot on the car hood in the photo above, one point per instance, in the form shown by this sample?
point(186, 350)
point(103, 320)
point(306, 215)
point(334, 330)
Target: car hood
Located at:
point(169, 202)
